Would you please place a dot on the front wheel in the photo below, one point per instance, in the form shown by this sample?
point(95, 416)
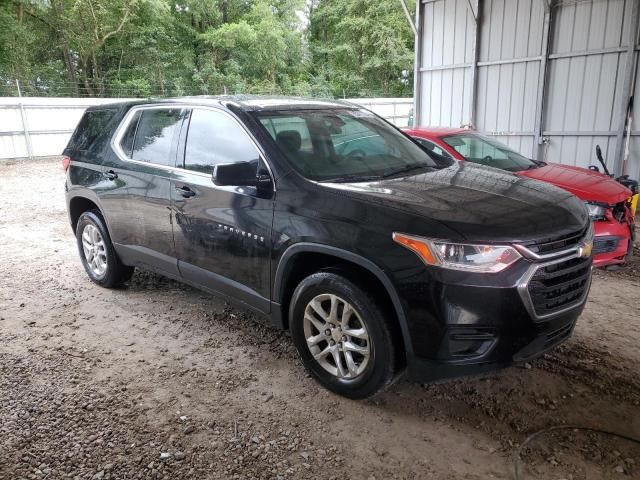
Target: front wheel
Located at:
point(98, 256)
point(342, 336)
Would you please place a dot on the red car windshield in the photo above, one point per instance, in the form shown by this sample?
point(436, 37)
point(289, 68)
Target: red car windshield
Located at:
point(485, 151)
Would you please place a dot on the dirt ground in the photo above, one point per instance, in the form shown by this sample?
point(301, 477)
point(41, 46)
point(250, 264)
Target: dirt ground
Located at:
point(158, 380)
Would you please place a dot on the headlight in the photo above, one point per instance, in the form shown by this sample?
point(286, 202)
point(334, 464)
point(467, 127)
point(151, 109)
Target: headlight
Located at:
point(458, 256)
point(596, 212)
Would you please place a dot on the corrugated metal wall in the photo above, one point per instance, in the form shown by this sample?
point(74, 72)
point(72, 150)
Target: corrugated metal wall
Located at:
point(550, 79)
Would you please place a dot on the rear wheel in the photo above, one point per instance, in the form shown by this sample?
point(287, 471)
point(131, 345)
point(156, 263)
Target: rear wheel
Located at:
point(342, 336)
point(98, 256)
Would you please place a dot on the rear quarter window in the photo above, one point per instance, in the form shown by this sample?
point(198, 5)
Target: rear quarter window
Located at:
point(92, 124)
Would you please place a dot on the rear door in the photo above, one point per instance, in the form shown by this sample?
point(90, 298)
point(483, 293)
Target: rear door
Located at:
point(222, 234)
point(147, 146)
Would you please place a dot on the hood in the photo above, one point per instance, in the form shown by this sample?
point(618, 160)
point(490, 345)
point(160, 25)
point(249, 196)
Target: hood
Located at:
point(585, 184)
point(476, 202)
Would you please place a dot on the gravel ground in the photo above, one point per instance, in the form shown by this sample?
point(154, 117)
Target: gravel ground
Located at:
point(158, 380)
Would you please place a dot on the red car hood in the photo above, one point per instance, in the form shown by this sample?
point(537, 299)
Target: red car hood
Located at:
point(583, 183)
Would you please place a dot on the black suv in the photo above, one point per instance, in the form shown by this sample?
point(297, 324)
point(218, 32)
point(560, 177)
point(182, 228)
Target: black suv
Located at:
point(378, 257)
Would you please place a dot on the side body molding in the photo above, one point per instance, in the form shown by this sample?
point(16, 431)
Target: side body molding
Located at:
point(307, 247)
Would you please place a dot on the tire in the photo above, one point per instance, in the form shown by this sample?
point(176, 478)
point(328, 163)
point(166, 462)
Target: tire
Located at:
point(366, 374)
point(102, 264)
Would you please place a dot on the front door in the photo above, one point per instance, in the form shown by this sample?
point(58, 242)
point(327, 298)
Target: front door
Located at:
point(222, 234)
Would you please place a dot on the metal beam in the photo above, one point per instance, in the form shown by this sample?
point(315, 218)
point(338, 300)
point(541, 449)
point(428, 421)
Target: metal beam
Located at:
point(417, 73)
point(542, 79)
point(452, 66)
point(509, 61)
point(627, 87)
point(586, 53)
point(474, 66)
point(25, 126)
point(579, 133)
point(473, 12)
point(9, 133)
point(409, 19)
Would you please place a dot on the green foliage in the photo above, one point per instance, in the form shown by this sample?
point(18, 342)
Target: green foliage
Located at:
point(164, 48)
point(362, 47)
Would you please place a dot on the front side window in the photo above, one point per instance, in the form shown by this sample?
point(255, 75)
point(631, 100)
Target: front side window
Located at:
point(344, 145)
point(213, 138)
point(151, 135)
point(485, 151)
point(433, 148)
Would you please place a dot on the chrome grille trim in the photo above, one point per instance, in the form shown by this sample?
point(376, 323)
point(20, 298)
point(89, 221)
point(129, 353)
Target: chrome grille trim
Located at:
point(527, 253)
point(523, 289)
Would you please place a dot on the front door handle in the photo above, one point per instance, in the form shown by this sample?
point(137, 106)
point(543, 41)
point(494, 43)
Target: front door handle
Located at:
point(111, 175)
point(186, 192)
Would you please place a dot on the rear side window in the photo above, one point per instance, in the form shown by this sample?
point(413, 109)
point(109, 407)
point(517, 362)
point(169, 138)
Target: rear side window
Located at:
point(215, 138)
point(126, 144)
point(92, 124)
point(155, 134)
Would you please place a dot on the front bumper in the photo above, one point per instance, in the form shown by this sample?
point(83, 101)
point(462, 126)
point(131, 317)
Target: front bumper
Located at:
point(614, 234)
point(481, 323)
point(611, 242)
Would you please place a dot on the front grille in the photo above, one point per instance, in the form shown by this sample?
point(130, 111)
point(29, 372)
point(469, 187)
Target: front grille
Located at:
point(605, 244)
point(556, 244)
point(559, 285)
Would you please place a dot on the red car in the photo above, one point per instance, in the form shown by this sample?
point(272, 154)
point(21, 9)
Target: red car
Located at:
point(607, 200)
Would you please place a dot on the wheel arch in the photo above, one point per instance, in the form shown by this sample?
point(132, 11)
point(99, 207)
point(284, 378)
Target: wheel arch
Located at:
point(78, 204)
point(303, 259)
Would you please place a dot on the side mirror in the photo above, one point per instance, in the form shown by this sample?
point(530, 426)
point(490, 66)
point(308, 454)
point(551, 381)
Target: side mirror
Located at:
point(239, 174)
point(594, 168)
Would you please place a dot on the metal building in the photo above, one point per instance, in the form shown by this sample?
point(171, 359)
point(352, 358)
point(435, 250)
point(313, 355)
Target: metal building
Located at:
point(550, 78)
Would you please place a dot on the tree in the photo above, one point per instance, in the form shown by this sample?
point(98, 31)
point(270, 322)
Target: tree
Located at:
point(361, 47)
point(164, 47)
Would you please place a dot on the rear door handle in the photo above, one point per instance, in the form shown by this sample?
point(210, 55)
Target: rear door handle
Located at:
point(111, 175)
point(186, 192)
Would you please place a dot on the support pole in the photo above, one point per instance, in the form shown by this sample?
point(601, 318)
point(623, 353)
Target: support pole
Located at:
point(539, 143)
point(474, 65)
point(25, 127)
point(627, 87)
point(417, 65)
point(408, 15)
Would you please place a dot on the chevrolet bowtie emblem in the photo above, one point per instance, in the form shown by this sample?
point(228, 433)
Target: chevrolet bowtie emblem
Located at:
point(584, 251)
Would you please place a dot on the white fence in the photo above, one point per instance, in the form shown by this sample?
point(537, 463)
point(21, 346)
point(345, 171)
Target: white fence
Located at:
point(41, 126)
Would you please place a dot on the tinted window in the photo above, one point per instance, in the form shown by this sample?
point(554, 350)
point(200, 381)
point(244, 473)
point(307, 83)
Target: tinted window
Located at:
point(432, 147)
point(155, 135)
point(215, 138)
point(345, 145)
point(286, 125)
point(486, 151)
point(126, 144)
point(92, 124)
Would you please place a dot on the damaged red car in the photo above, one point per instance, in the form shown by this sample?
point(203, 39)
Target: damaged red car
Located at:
point(611, 204)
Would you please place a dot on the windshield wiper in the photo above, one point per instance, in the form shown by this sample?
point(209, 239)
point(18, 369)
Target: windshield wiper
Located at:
point(405, 169)
point(352, 178)
point(536, 164)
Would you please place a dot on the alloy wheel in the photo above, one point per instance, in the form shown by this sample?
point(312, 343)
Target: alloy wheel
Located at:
point(336, 336)
point(94, 249)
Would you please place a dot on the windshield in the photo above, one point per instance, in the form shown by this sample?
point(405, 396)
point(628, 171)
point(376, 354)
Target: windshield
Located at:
point(344, 145)
point(485, 151)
